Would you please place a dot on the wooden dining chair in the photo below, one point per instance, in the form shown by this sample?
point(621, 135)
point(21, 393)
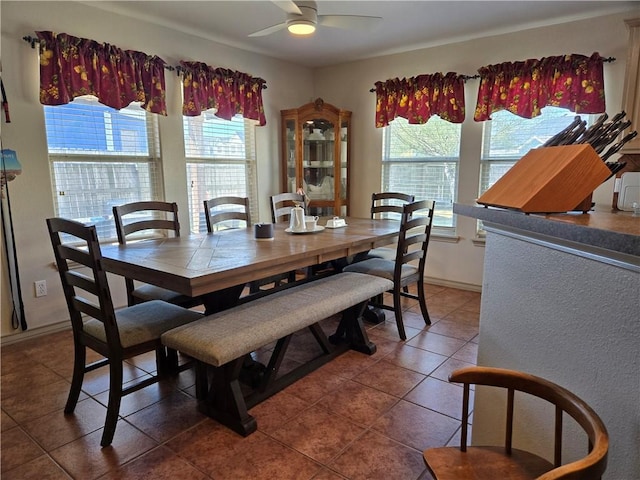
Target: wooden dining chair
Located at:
point(413, 240)
point(387, 205)
point(223, 210)
point(115, 334)
point(151, 217)
point(281, 205)
point(508, 463)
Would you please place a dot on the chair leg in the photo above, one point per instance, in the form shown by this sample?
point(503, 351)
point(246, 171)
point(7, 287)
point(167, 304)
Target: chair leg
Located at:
point(115, 396)
point(397, 310)
point(80, 358)
point(423, 304)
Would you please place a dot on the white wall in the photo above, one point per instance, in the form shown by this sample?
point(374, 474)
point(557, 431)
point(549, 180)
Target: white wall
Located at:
point(289, 86)
point(461, 262)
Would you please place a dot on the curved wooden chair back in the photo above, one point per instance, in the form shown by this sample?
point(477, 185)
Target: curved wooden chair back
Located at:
point(159, 216)
point(281, 205)
point(389, 202)
point(449, 463)
point(413, 239)
point(224, 209)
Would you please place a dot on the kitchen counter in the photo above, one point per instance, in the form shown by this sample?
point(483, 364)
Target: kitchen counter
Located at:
point(617, 232)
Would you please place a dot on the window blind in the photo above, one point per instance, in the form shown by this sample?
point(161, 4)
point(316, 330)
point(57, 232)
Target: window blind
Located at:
point(100, 157)
point(221, 161)
point(422, 160)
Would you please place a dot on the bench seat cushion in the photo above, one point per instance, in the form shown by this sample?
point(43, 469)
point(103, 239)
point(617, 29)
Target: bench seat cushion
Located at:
point(222, 337)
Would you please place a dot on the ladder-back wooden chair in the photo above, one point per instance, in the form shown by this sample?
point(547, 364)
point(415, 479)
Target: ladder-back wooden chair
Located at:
point(152, 216)
point(281, 205)
point(223, 210)
point(506, 462)
point(115, 334)
point(413, 240)
point(387, 205)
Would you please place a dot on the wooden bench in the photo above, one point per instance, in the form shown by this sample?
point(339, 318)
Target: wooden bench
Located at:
point(220, 342)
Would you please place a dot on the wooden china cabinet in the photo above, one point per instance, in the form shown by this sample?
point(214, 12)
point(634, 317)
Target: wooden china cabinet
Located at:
point(316, 142)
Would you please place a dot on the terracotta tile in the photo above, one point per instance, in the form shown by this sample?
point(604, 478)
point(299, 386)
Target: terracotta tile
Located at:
point(350, 364)
point(443, 397)
point(357, 402)
point(56, 428)
point(221, 453)
point(436, 343)
point(84, 458)
point(383, 343)
point(326, 474)
point(41, 468)
point(314, 386)
point(375, 457)
point(390, 378)
point(318, 434)
point(32, 376)
point(97, 381)
point(444, 370)
point(158, 464)
point(468, 353)
point(464, 316)
point(275, 411)
point(415, 426)
point(17, 449)
point(6, 422)
point(35, 403)
point(140, 399)
point(415, 359)
point(454, 329)
point(389, 328)
point(168, 417)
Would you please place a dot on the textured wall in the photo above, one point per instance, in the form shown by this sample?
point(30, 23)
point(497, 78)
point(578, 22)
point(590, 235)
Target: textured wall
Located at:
point(572, 320)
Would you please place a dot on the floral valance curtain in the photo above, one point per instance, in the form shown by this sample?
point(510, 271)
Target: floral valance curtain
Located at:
point(71, 67)
point(229, 91)
point(571, 81)
point(418, 98)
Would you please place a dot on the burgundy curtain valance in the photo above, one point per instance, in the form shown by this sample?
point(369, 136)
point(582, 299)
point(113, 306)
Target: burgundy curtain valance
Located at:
point(71, 67)
point(230, 92)
point(418, 98)
point(575, 82)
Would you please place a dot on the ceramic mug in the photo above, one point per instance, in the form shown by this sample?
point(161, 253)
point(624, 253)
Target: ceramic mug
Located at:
point(310, 223)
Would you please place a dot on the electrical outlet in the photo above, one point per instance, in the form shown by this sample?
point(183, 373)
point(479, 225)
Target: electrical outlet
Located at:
point(41, 288)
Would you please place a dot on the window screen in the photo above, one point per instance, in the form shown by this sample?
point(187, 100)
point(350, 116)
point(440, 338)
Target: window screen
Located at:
point(423, 160)
point(101, 157)
point(221, 161)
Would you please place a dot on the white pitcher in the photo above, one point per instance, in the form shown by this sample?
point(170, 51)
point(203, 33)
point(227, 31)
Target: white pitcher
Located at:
point(296, 222)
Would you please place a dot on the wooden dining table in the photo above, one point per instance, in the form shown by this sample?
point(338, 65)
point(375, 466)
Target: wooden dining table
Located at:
point(217, 265)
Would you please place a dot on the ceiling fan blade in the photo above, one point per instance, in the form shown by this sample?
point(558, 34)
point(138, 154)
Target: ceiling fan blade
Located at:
point(288, 6)
point(350, 22)
point(269, 30)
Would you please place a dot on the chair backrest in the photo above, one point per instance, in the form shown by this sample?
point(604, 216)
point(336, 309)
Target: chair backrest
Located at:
point(592, 466)
point(389, 202)
point(223, 209)
point(281, 205)
point(414, 235)
point(145, 216)
point(86, 294)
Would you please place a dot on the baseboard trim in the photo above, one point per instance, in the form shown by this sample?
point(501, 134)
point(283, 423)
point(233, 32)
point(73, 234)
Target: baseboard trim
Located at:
point(452, 284)
point(34, 333)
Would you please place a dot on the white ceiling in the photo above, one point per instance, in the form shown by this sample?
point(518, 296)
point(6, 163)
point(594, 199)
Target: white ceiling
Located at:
point(406, 25)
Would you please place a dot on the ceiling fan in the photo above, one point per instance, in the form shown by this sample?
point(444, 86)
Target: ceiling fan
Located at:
point(302, 19)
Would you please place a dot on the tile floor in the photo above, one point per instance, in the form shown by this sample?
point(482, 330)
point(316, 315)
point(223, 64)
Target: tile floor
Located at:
point(357, 417)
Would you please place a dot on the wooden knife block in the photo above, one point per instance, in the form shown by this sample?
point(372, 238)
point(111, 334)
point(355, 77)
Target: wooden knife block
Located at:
point(549, 180)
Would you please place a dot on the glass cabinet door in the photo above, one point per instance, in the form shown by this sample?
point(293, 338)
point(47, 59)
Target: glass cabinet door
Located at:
point(318, 162)
point(290, 152)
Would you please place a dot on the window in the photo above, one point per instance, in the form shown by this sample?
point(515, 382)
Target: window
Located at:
point(507, 138)
point(422, 160)
point(221, 160)
point(101, 157)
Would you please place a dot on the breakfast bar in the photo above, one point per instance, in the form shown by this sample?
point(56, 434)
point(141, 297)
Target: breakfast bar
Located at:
point(561, 299)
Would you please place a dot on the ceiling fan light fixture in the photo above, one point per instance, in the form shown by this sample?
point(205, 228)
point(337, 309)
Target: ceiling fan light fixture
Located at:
point(301, 27)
